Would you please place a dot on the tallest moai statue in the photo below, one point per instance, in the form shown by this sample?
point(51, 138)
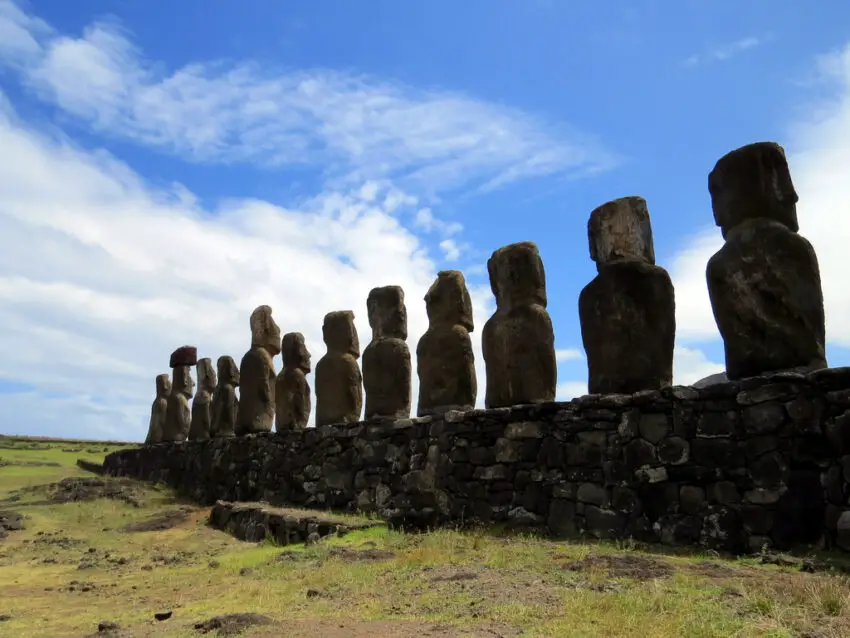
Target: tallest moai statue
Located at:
point(764, 283)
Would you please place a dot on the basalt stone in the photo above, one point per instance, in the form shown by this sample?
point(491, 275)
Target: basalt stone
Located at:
point(178, 416)
point(339, 383)
point(257, 375)
point(386, 360)
point(159, 409)
point(764, 283)
point(673, 451)
point(518, 341)
point(202, 402)
point(225, 404)
point(292, 390)
point(445, 362)
point(639, 453)
point(183, 356)
point(764, 418)
point(654, 427)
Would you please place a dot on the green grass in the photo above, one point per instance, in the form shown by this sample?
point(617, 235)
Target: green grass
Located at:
point(477, 581)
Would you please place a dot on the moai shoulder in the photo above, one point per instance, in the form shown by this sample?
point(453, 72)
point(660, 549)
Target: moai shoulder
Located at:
point(178, 417)
point(445, 361)
point(225, 403)
point(386, 360)
point(339, 383)
point(292, 392)
point(159, 409)
point(518, 341)
point(202, 402)
point(627, 312)
point(764, 283)
point(257, 375)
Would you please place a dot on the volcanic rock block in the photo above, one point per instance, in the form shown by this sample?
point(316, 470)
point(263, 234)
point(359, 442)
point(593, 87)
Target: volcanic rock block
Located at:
point(627, 313)
point(445, 361)
point(184, 356)
point(292, 391)
point(159, 409)
point(386, 360)
point(225, 403)
point(257, 375)
point(518, 341)
point(178, 417)
point(339, 389)
point(202, 403)
point(764, 283)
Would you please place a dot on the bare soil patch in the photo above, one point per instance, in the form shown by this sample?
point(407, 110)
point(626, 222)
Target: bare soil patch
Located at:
point(347, 628)
point(71, 490)
point(159, 522)
point(638, 568)
point(232, 624)
point(10, 522)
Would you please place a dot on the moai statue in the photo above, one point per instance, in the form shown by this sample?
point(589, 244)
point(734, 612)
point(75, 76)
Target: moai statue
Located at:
point(201, 405)
point(158, 409)
point(225, 403)
point(339, 391)
point(764, 283)
point(445, 361)
point(178, 417)
point(257, 375)
point(518, 340)
point(386, 360)
point(292, 392)
point(628, 311)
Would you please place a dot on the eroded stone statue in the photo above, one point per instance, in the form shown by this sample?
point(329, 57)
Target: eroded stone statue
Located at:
point(386, 360)
point(225, 403)
point(178, 417)
point(202, 403)
point(445, 361)
point(158, 409)
point(292, 391)
point(518, 340)
point(764, 283)
point(257, 375)
point(339, 384)
point(628, 311)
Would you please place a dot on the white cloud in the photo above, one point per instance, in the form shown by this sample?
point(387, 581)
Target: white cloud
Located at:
point(725, 51)
point(690, 365)
point(818, 149)
point(568, 354)
point(450, 249)
point(353, 126)
point(567, 390)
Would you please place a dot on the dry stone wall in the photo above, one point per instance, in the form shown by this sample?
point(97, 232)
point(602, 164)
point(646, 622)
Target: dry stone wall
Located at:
point(735, 466)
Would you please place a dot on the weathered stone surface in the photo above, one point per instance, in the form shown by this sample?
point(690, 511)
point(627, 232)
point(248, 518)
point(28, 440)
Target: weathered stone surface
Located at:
point(518, 341)
point(257, 375)
point(445, 362)
point(201, 427)
point(386, 360)
point(183, 356)
point(178, 417)
point(158, 409)
point(627, 313)
point(224, 408)
point(764, 283)
point(339, 383)
point(293, 402)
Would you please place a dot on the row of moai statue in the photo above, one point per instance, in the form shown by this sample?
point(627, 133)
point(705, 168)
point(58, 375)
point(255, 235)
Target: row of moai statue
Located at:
point(764, 286)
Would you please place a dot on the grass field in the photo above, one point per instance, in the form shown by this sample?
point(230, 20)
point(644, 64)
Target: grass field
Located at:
point(79, 563)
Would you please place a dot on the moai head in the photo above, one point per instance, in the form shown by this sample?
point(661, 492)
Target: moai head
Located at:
point(447, 301)
point(206, 374)
point(340, 334)
point(265, 333)
point(294, 351)
point(183, 382)
point(620, 231)
point(163, 386)
point(753, 182)
point(184, 356)
point(517, 277)
point(228, 371)
point(387, 312)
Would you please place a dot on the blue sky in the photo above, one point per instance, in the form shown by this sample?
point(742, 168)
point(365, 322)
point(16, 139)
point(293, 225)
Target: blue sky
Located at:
point(169, 166)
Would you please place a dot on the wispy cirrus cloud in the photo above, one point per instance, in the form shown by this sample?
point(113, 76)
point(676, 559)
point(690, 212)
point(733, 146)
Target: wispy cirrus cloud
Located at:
point(724, 51)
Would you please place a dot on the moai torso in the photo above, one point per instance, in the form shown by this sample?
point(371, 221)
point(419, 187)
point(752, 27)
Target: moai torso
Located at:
point(518, 341)
point(292, 391)
point(225, 403)
point(159, 409)
point(202, 402)
point(764, 283)
point(627, 313)
point(445, 361)
point(386, 360)
point(178, 417)
point(339, 384)
point(257, 375)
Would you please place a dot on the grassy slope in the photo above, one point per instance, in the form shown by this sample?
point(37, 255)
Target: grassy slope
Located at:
point(443, 582)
